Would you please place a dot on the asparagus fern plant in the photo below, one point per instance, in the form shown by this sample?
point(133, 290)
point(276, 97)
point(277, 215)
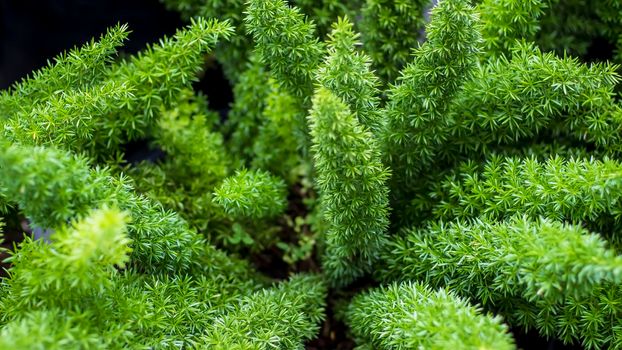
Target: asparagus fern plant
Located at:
point(430, 174)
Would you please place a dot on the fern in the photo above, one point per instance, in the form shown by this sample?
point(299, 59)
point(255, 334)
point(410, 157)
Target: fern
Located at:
point(432, 174)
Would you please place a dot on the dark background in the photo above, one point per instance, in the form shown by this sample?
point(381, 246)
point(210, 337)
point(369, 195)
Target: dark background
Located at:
point(33, 31)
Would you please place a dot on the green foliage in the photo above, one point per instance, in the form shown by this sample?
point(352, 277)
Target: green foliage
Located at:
point(245, 117)
point(391, 30)
point(235, 56)
point(281, 317)
point(277, 147)
point(541, 260)
point(70, 293)
point(466, 161)
point(120, 103)
point(326, 12)
point(232, 57)
point(161, 72)
point(575, 189)
point(65, 118)
point(286, 43)
point(252, 194)
point(195, 163)
point(194, 203)
point(53, 282)
point(572, 25)
point(175, 311)
point(418, 103)
point(351, 181)
point(293, 253)
point(507, 21)
point(83, 257)
point(194, 150)
point(50, 329)
point(411, 316)
point(63, 184)
point(57, 184)
point(347, 74)
point(508, 100)
point(533, 272)
point(77, 70)
point(260, 123)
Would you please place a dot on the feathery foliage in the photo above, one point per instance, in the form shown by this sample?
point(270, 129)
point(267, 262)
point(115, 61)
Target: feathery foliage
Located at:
point(396, 165)
point(64, 187)
point(325, 12)
point(233, 57)
point(252, 194)
point(78, 69)
point(539, 259)
point(408, 316)
point(575, 189)
point(352, 185)
point(347, 74)
point(512, 99)
point(534, 272)
point(281, 317)
point(122, 103)
point(572, 26)
point(391, 30)
point(286, 42)
point(419, 101)
point(505, 22)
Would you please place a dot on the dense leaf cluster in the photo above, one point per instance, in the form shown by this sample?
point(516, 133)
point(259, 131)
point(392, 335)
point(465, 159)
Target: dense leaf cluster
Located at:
point(439, 172)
